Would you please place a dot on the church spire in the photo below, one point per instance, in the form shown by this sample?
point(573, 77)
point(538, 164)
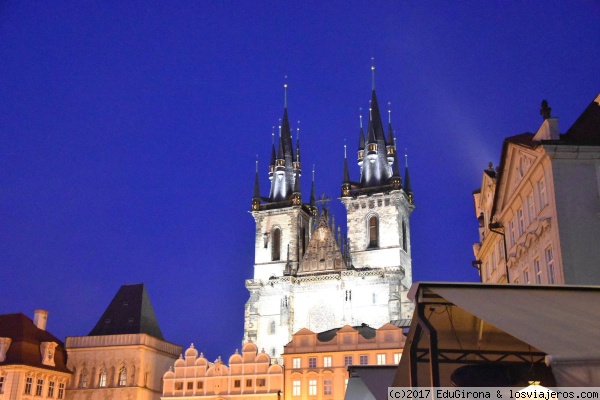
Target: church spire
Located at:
point(407, 186)
point(256, 195)
point(285, 166)
point(313, 199)
point(346, 179)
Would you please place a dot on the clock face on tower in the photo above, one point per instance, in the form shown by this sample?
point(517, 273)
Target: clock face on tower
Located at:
point(321, 318)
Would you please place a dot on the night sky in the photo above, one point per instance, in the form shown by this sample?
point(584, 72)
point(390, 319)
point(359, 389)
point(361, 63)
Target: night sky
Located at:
point(129, 133)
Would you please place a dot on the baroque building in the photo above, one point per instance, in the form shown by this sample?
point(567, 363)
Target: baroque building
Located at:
point(306, 273)
point(249, 375)
point(317, 363)
point(538, 211)
point(125, 355)
point(33, 362)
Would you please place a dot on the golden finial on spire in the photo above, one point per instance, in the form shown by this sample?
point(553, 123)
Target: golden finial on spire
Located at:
point(285, 91)
point(361, 118)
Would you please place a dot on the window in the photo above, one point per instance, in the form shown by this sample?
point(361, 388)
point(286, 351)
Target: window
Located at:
point(178, 385)
point(493, 260)
point(312, 362)
point(526, 275)
point(397, 358)
point(347, 360)
point(260, 382)
point(312, 387)
point(272, 328)
point(248, 382)
point(296, 388)
point(83, 379)
point(190, 385)
point(488, 271)
point(327, 362)
point(404, 238)
point(102, 379)
point(520, 221)
point(327, 387)
point(276, 245)
point(550, 265)
point(537, 270)
point(500, 250)
point(380, 359)
point(296, 362)
point(511, 231)
point(374, 298)
point(28, 383)
point(1, 384)
point(123, 376)
point(237, 383)
point(530, 208)
point(51, 389)
point(363, 360)
point(199, 385)
point(541, 186)
point(61, 390)
point(39, 387)
point(373, 232)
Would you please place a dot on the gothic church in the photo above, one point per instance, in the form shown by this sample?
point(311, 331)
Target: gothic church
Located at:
point(307, 275)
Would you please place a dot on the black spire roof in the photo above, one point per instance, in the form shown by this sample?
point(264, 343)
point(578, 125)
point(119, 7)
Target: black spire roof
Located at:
point(256, 194)
point(346, 178)
point(129, 312)
point(407, 187)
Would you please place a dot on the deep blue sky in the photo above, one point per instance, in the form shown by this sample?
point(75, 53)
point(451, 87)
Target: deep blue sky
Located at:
point(129, 132)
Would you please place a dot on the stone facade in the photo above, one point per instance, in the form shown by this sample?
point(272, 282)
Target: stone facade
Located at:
point(306, 273)
point(540, 206)
point(249, 375)
point(118, 366)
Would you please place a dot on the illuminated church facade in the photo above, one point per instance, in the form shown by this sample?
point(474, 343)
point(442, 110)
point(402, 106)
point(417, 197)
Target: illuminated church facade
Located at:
point(307, 274)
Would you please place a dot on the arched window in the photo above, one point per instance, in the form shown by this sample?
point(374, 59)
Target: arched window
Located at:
point(102, 379)
point(272, 328)
point(373, 232)
point(276, 245)
point(123, 376)
point(83, 379)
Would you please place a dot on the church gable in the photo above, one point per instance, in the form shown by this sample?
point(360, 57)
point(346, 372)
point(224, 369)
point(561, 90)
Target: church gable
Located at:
point(323, 252)
point(520, 157)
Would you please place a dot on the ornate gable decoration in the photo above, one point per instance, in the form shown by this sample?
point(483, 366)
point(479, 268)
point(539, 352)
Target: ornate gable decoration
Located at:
point(4, 345)
point(323, 252)
point(47, 350)
point(518, 165)
point(522, 163)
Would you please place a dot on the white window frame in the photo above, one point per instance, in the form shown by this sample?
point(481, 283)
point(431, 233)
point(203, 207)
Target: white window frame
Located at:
point(549, 254)
point(296, 388)
point(296, 362)
point(537, 270)
point(327, 362)
point(542, 195)
point(312, 387)
point(327, 387)
point(381, 359)
point(312, 362)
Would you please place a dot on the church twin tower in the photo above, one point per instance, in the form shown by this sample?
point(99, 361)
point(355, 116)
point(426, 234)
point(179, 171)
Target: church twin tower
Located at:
point(307, 274)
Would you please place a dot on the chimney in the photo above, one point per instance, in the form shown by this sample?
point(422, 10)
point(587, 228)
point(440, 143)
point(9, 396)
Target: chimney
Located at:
point(40, 318)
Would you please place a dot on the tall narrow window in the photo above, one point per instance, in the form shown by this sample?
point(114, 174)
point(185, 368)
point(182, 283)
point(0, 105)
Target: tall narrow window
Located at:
point(83, 379)
point(102, 379)
point(327, 387)
point(537, 270)
point(404, 238)
point(550, 265)
point(1, 384)
point(296, 388)
point(51, 389)
point(541, 185)
point(28, 383)
point(520, 221)
point(61, 391)
point(39, 387)
point(381, 359)
point(123, 376)
point(530, 208)
point(327, 361)
point(276, 245)
point(272, 328)
point(511, 231)
point(526, 275)
point(373, 232)
point(312, 387)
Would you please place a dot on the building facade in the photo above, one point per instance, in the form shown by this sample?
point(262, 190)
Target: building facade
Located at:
point(32, 360)
point(317, 363)
point(306, 273)
point(249, 375)
point(125, 355)
point(539, 211)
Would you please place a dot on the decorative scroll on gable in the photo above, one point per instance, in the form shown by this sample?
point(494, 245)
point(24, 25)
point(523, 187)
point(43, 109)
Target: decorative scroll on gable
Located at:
point(323, 252)
point(4, 345)
point(47, 350)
